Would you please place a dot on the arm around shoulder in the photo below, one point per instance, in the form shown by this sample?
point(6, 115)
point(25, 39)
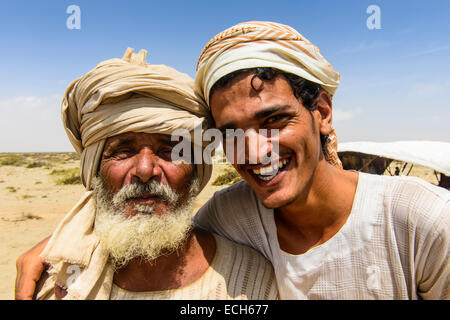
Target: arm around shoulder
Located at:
point(29, 267)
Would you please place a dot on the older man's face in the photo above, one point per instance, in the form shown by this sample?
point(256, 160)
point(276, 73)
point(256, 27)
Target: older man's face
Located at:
point(140, 158)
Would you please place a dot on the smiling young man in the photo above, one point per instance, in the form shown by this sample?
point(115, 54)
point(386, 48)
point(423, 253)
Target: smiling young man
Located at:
point(303, 181)
point(329, 233)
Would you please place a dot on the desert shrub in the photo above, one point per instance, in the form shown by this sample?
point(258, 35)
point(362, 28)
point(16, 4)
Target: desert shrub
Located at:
point(22, 217)
point(27, 196)
point(229, 176)
point(31, 216)
point(72, 179)
point(11, 189)
point(12, 160)
point(36, 164)
point(72, 156)
point(60, 172)
point(67, 176)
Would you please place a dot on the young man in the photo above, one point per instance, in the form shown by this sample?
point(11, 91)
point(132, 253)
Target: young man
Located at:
point(131, 234)
point(329, 233)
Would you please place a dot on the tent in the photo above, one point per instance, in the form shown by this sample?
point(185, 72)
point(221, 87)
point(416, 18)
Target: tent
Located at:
point(375, 157)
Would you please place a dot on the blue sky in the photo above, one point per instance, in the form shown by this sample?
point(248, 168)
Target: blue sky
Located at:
point(395, 82)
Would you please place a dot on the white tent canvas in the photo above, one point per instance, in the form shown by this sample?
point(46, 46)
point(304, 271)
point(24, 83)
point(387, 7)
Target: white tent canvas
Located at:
point(432, 154)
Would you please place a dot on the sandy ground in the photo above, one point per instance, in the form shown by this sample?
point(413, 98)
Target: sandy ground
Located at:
point(32, 204)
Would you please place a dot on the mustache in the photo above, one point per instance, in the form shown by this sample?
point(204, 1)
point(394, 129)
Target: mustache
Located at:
point(139, 189)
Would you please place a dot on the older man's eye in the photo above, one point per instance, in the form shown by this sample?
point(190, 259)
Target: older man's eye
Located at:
point(122, 153)
point(165, 153)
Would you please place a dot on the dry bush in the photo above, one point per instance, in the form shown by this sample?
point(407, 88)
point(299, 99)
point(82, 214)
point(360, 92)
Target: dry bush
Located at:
point(22, 217)
point(12, 160)
point(228, 176)
point(36, 164)
point(72, 156)
point(11, 189)
point(67, 176)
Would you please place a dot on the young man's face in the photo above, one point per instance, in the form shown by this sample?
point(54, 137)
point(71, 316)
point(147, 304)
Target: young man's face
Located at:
point(273, 106)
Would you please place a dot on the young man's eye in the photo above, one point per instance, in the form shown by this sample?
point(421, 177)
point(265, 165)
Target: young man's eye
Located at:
point(276, 119)
point(277, 122)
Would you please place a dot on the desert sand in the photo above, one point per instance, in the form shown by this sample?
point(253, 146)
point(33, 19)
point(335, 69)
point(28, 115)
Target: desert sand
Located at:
point(33, 201)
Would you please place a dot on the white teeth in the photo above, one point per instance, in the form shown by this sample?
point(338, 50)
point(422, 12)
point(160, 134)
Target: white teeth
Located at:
point(266, 170)
point(267, 178)
point(270, 171)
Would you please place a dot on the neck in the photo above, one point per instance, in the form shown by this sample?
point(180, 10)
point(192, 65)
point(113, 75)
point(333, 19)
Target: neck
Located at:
point(320, 212)
point(171, 271)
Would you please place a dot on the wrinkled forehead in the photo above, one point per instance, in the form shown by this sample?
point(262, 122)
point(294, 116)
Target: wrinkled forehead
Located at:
point(129, 138)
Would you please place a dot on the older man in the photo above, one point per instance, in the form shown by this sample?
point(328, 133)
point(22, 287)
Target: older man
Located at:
point(131, 235)
point(330, 233)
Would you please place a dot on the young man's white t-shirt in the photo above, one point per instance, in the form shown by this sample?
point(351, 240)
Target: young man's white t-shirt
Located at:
point(394, 244)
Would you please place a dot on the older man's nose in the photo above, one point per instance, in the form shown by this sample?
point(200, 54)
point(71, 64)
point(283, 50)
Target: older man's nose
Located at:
point(146, 165)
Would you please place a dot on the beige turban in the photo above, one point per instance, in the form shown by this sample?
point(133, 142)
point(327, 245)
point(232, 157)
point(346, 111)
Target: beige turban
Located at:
point(128, 95)
point(266, 44)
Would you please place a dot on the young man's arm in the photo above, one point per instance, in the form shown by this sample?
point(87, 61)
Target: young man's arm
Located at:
point(432, 266)
point(30, 267)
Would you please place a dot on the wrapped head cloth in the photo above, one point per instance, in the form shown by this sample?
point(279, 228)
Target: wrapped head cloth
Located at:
point(266, 44)
point(128, 95)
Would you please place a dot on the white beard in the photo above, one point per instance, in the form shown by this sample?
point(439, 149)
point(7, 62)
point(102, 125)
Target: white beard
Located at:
point(143, 235)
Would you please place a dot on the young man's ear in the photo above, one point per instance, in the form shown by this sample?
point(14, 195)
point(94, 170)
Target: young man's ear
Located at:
point(324, 106)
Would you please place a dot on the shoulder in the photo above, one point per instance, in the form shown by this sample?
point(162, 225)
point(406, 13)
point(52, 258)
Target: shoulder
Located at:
point(403, 191)
point(239, 192)
point(241, 252)
point(237, 214)
point(413, 204)
point(235, 200)
point(245, 269)
point(228, 206)
point(416, 195)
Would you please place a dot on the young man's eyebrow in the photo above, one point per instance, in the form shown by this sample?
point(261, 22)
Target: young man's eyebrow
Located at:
point(270, 110)
point(258, 115)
